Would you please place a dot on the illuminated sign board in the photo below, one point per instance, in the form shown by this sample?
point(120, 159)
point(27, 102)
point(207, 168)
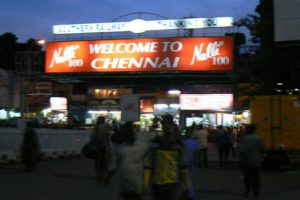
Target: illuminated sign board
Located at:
point(147, 105)
point(139, 25)
point(206, 101)
point(58, 103)
point(152, 54)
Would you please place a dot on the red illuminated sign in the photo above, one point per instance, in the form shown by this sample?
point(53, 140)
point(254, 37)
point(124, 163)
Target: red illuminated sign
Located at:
point(155, 54)
point(147, 105)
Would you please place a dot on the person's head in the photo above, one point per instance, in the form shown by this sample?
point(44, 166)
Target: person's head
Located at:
point(189, 132)
point(128, 131)
point(29, 125)
point(167, 118)
point(167, 123)
point(194, 125)
point(100, 120)
point(250, 128)
point(200, 126)
point(29, 130)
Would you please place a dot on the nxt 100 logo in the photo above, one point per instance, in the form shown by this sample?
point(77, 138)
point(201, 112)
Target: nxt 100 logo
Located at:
point(67, 54)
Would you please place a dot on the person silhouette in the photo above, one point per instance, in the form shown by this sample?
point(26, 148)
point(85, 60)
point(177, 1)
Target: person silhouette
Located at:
point(250, 149)
point(166, 164)
point(30, 150)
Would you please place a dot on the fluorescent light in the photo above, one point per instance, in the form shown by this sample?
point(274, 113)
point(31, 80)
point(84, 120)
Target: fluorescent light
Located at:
point(176, 92)
point(160, 106)
point(175, 105)
point(97, 111)
point(114, 112)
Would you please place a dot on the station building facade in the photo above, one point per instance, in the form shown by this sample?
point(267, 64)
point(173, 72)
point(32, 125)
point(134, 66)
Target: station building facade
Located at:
point(137, 79)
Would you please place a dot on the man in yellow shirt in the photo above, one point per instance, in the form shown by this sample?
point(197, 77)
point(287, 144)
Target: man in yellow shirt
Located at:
point(166, 164)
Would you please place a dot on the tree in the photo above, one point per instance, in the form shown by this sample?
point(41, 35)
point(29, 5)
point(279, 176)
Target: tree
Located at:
point(32, 45)
point(9, 47)
point(260, 24)
point(8, 44)
point(251, 22)
point(268, 70)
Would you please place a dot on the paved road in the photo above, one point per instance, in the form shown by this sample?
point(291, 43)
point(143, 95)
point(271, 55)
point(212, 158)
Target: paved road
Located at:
point(74, 179)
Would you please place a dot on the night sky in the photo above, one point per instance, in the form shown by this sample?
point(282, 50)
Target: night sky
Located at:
point(35, 18)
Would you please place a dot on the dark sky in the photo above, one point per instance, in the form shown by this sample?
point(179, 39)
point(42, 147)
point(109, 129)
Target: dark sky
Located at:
point(35, 18)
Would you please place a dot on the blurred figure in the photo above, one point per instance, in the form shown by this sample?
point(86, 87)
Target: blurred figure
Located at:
point(193, 128)
point(132, 153)
point(229, 129)
point(155, 123)
point(191, 147)
point(166, 164)
point(234, 140)
point(250, 149)
point(30, 150)
point(201, 135)
point(223, 143)
point(105, 155)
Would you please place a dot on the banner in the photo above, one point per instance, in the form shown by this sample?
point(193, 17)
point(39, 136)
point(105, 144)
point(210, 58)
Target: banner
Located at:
point(139, 25)
point(130, 107)
point(141, 55)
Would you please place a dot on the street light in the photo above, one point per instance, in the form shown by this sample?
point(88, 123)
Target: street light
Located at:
point(41, 42)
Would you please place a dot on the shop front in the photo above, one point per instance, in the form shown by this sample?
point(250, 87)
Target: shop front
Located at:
point(210, 110)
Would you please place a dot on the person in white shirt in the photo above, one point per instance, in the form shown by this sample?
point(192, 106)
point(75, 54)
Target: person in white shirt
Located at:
point(201, 136)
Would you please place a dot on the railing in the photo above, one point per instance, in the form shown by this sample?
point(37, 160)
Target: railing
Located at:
point(53, 142)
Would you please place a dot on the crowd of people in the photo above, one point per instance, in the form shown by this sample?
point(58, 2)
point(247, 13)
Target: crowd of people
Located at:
point(163, 163)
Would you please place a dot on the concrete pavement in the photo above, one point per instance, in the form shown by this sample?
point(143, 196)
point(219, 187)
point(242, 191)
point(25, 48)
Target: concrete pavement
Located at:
point(74, 179)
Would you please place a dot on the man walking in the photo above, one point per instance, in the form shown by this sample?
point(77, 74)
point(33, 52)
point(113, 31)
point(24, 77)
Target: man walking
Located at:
point(104, 161)
point(223, 144)
point(201, 136)
point(166, 164)
point(250, 149)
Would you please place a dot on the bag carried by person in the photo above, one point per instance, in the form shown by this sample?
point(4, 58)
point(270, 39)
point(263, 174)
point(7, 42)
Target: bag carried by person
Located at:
point(90, 150)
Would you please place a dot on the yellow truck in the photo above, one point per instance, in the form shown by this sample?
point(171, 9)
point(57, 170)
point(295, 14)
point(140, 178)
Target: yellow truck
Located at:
point(277, 119)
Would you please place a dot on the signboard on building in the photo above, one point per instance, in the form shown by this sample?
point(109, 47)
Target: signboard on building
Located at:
point(104, 104)
point(139, 25)
point(108, 93)
point(141, 55)
point(206, 102)
point(147, 105)
point(58, 103)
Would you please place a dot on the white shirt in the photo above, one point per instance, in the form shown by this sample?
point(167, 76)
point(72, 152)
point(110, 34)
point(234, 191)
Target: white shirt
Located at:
point(201, 136)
